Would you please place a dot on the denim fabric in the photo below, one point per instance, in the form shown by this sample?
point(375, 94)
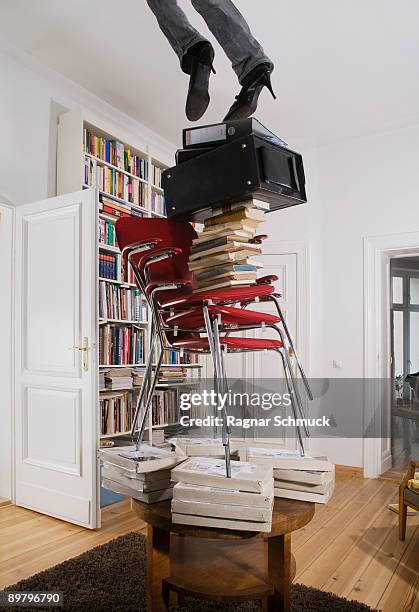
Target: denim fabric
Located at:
point(226, 23)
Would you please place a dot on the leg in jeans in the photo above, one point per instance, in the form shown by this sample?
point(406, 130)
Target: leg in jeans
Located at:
point(175, 26)
point(232, 32)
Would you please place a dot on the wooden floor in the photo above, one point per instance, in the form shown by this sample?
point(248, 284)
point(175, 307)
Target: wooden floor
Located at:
point(351, 547)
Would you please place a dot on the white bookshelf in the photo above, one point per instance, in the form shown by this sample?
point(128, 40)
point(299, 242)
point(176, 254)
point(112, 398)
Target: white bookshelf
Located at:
point(71, 159)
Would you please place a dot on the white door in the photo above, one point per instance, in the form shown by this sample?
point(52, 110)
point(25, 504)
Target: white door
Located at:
point(266, 368)
point(56, 382)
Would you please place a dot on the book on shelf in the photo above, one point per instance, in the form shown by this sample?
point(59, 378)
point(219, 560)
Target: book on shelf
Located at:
point(121, 345)
point(234, 497)
point(117, 302)
point(107, 234)
point(116, 183)
point(117, 209)
point(211, 473)
point(114, 152)
point(116, 412)
point(156, 174)
point(157, 203)
point(165, 407)
point(119, 378)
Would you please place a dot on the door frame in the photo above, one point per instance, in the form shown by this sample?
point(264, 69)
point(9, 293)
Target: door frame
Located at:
point(8, 431)
point(378, 250)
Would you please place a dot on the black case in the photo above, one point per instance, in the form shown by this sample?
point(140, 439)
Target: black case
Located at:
point(244, 168)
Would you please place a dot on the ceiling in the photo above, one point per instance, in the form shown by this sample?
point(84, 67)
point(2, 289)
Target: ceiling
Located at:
point(344, 68)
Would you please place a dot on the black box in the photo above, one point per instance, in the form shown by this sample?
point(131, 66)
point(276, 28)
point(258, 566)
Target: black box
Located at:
point(244, 168)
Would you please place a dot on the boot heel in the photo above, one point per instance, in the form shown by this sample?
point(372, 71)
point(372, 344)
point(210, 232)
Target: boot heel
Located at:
point(268, 84)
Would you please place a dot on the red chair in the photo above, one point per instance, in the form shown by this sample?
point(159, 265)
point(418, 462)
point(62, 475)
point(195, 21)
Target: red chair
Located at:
point(180, 316)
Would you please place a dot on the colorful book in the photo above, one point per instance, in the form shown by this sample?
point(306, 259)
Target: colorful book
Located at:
point(229, 269)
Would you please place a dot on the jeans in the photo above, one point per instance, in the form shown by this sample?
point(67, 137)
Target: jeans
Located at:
point(225, 22)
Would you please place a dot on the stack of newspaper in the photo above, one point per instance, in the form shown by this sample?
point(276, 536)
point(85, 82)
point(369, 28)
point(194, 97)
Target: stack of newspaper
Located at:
point(204, 496)
point(143, 474)
point(201, 447)
point(305, 478)
point(223, 254)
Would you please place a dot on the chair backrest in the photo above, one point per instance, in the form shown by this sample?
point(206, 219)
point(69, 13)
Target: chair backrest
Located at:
point(171, 234)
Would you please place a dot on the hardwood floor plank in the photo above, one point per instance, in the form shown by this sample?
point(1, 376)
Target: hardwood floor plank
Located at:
point(350, 536)
point(370, 587)
point(315, 545)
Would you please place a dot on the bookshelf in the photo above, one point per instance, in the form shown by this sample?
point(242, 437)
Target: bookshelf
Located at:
point(126, 181)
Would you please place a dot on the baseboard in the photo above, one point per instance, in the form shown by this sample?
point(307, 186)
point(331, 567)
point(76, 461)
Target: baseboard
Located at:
point(4, 502)
point(349, 470)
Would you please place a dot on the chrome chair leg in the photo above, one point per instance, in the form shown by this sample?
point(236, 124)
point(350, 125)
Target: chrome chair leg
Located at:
point(145, 384)
point(149, 398)
point(226, 428)
point(291, 342)
point(293, 402)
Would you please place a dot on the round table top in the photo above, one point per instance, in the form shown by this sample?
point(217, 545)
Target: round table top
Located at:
point(288, 515)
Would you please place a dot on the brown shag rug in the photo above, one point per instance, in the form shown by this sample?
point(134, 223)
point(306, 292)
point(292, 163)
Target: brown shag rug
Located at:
point(112, 578)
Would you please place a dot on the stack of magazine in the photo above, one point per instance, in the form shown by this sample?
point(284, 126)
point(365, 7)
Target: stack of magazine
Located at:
point(224, 253)
point(203, 496)
point(143, 474)
point(305, 478)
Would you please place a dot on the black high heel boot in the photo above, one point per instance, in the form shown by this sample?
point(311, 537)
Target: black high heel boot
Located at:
point(247, 100)
point(200, 57)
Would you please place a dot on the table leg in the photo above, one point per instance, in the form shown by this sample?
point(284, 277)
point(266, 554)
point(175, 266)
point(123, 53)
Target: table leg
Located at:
point(280, 572)
point(158, 566)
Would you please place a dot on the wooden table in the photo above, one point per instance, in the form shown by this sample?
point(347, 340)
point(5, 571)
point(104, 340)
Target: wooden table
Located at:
point(220, 564)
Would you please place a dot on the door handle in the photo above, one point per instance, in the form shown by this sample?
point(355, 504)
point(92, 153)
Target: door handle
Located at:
point(84, 348)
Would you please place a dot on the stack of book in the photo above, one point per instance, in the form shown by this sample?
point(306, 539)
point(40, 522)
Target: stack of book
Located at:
point(118, 379)
point(305, 478)
point(143, 474)
point(223, 254)
point(117, 209)
point(204, 496)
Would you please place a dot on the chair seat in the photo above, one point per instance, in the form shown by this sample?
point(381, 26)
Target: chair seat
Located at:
point(240, 344)
point(232, 317)
point(228, 295)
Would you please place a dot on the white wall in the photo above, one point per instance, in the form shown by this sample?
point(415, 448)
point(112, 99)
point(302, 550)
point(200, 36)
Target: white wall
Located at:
point(358, 188)
point(6, 237)
point(32, 97)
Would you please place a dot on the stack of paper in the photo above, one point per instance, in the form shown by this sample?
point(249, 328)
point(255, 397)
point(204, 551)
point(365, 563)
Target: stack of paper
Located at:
point(143, 474)
point(305, 477)
point(201, 447)
point(204, 496)
point(223, 254)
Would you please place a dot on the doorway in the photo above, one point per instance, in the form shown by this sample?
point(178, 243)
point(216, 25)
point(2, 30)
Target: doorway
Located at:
point(404, 317)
